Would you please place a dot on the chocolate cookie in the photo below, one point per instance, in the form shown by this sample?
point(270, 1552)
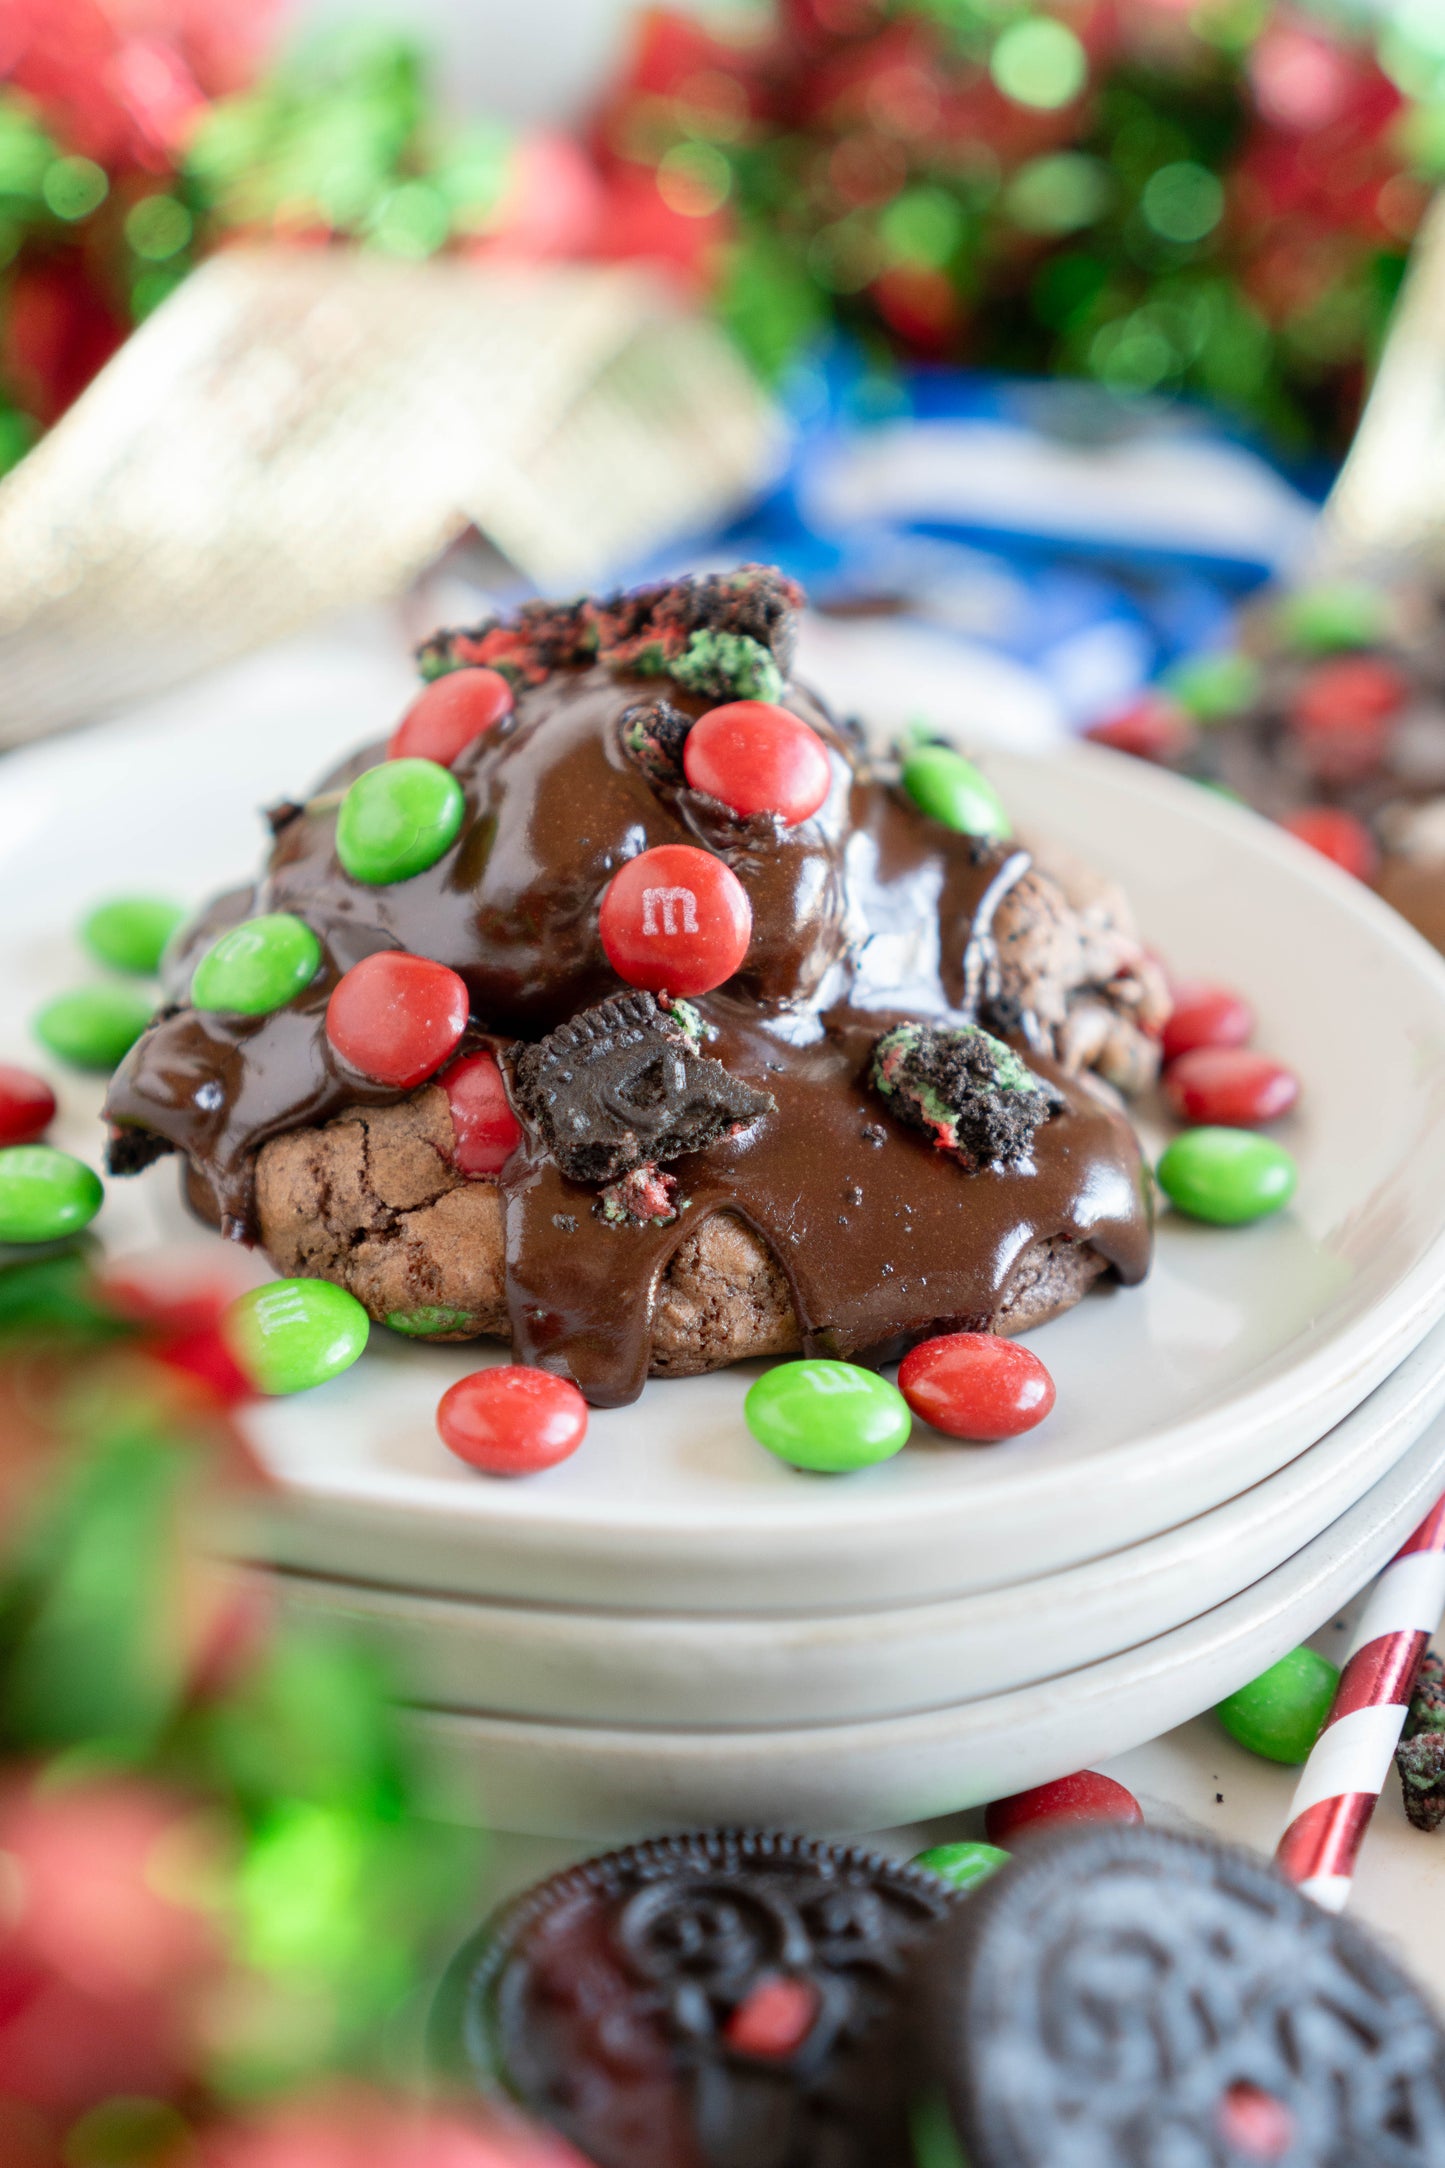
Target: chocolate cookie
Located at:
point(728, 2000)
point(373, 1201)
point(693, 1181)
point(1119, 1996)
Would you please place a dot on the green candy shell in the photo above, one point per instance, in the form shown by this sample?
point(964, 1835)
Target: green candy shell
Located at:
point(293, 1334)
point(1227, 1176)
point(129, 933)
point(964, 1865)
point(430, 1318)
point(950, 789)
point(257, 966)
point(1211, 688)
point(1329, 619)
point(45, 1194)
point(398, 819)
point(829, 1417)
point(94, 1027)
point(1281, 1713)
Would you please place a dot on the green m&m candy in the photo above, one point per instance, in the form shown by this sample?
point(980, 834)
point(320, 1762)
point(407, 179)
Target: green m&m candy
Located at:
point(257, 966)
point(950, 789)
point(1211, 688)
point(95, 1026)
point(827, 1416)
point(1328, 618)
point(1282, 1712)
point(398, 819)
point(130, 932)
point(45, 1194)
point(292, 1334)
point(1229, 1176)
point(964, 1865)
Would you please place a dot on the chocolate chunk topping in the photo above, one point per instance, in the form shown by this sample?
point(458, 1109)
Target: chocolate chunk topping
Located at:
point(728, 634)
point(1128, 1996)
point(970, 1092)
point(733, 2000)
point(622, 1085)
point(653, 736)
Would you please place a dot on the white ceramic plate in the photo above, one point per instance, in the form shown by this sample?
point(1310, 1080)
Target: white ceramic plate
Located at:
point(705, 1671)
point(1242, 1348)
point(596, 1783)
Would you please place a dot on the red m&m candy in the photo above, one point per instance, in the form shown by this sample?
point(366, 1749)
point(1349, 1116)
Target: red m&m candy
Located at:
point(1229, 1085)
point(1338, 836)
point(1347, 692)
point(27, 1105)
point(443, 720)
point(675, 920)
point(397, 1017)
point(512, 1420)
point(975, 1385)
point(1085, 1797)
point(1151, 728)
point(485, 1129)
point(756, 757)
point(1206, 1016)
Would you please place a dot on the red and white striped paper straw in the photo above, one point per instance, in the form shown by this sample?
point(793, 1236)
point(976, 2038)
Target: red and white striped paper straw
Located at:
point(1346, 1772)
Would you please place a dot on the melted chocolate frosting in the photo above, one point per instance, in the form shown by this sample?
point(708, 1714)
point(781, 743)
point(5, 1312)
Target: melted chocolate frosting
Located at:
point(864, 915)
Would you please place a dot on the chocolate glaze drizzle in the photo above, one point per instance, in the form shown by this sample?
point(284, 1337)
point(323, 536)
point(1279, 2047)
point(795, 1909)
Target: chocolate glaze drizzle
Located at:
point(863, 915)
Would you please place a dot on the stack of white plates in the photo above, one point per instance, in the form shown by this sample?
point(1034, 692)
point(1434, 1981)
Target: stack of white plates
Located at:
point(672, 1626)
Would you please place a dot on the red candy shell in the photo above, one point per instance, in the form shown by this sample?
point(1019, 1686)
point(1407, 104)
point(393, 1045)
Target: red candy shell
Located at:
point(1345, 693)
point(1205, 1015)
point(1153, 728)
point(512, 1420)
point(27, 1105)
point(675, 920)
point(485, 1129)
point(397, 1017)
point(1086, 1797)
point(1231, 1086)
point(975, 1385)
point(443, 720)
point(1338, 836)
point(756, 757)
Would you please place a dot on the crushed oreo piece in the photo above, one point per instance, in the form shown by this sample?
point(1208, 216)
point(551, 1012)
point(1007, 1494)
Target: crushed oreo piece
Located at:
point(1420, 1756)
point(970, 1092)
point(1427, 1703)
point(728, 635)
point(1421, 1763)
point(622, 1085)
point(281, 814)
point(131, 1151)
point(645, 1198)
point(653, 735)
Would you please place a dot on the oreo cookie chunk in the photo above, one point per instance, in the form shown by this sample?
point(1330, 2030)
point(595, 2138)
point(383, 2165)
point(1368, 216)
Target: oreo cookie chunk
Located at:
point(1420, 1756)
point(1119, 1996)
point(623, 1086)
point(728, 2000)
point(966, 1089)
point(653, 735)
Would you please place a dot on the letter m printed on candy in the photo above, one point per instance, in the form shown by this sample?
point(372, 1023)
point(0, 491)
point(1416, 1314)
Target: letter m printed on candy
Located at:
point(668, 905)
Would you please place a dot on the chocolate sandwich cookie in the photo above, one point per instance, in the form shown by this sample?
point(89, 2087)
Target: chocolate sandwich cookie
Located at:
point(1119, 1996)
point(728, 2000)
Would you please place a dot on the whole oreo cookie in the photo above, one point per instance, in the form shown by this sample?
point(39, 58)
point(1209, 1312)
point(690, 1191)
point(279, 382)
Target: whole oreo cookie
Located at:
point(728, 2000)
point(1119, 1996)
